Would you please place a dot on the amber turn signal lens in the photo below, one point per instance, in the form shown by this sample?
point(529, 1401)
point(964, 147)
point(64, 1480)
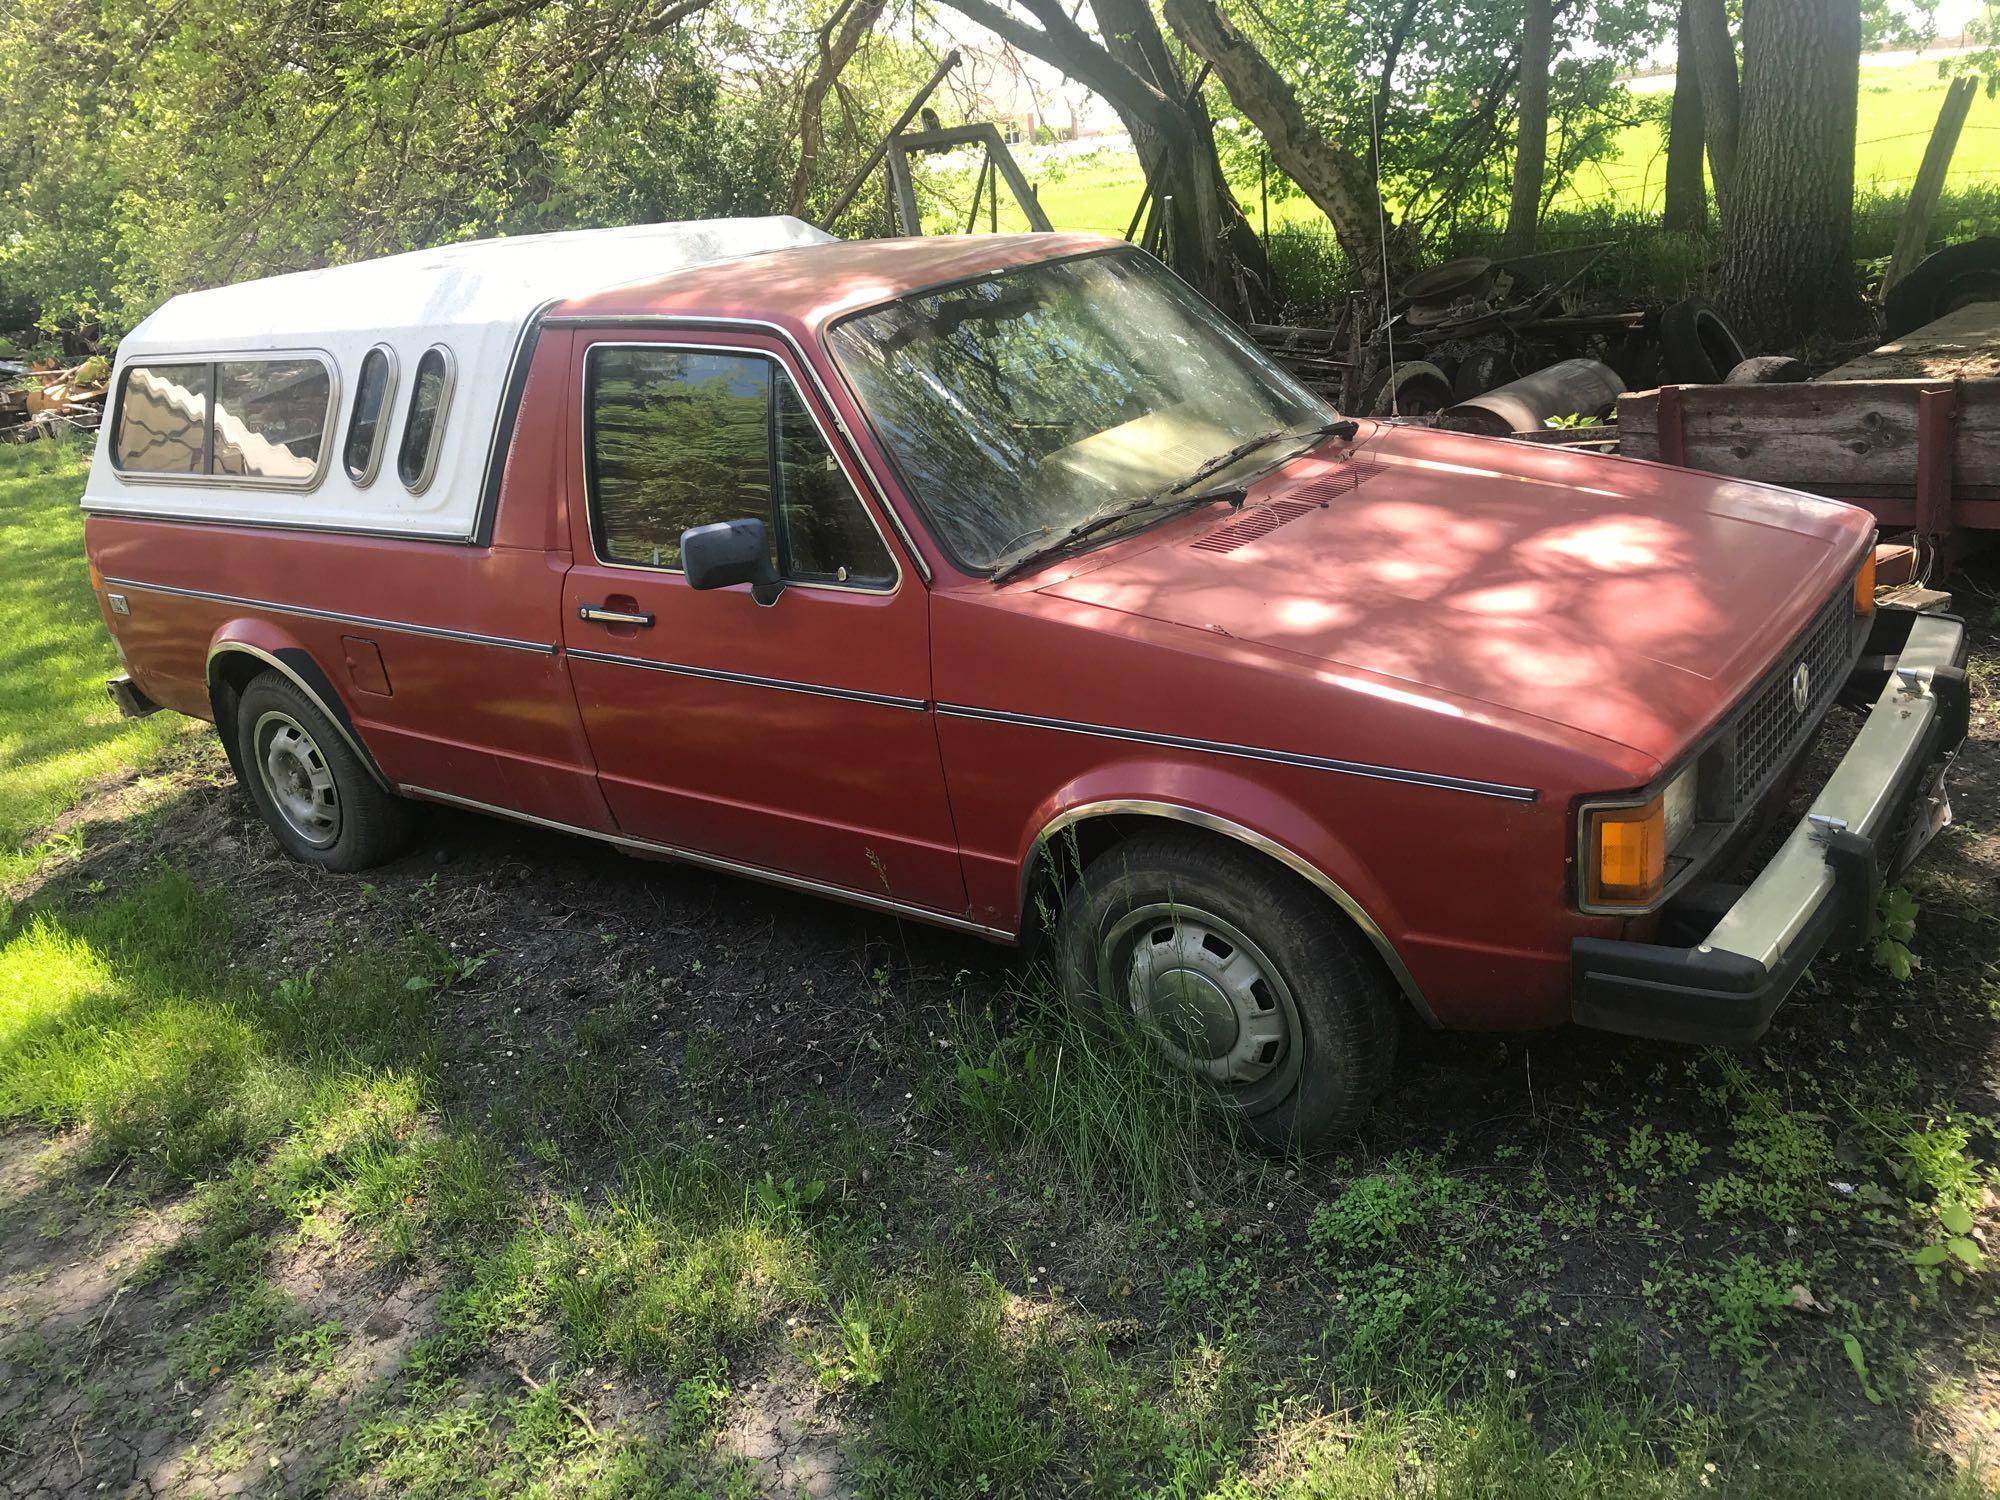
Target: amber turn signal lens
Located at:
point(1864, 585)
point(1629, 845)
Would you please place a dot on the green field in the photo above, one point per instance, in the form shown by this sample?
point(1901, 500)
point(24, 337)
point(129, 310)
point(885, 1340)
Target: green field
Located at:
point(1898, 106)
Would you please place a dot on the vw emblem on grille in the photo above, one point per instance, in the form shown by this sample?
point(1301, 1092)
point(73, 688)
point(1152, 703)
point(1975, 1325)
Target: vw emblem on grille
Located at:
point(1801, 686)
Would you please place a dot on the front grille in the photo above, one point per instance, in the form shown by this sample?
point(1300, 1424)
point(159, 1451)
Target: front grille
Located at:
point(1770, 726)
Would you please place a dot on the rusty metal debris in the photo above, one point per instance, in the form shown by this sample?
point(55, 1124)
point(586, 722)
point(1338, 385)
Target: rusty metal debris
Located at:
point(39, 399)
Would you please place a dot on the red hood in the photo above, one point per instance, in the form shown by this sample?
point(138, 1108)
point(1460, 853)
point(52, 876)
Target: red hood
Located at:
point(1629, 600)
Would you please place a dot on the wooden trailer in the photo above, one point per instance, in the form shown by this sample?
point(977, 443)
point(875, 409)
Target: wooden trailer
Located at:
point(1911, 431)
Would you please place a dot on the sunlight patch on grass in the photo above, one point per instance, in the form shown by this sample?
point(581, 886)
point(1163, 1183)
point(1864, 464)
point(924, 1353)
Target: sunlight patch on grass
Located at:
point(58, 730)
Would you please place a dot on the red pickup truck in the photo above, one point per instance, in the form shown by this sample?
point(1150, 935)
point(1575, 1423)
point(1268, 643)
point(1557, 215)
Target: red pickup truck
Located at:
point(973, 579)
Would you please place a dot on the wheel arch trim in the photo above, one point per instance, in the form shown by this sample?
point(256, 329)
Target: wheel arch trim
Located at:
point(1228, 828)
point(301, 671)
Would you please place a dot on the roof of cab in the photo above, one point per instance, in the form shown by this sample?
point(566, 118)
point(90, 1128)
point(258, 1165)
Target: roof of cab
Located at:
point(475, 284)
point(809, 286)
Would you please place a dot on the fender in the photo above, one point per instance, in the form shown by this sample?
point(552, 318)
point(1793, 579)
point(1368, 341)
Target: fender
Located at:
point(277, 649)
point(1141, 796)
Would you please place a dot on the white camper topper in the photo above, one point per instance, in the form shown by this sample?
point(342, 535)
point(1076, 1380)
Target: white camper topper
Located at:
point(446, 326)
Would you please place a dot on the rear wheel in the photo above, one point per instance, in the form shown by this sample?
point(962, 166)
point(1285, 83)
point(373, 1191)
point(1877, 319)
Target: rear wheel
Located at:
point(312, 789)
point(1236, 973)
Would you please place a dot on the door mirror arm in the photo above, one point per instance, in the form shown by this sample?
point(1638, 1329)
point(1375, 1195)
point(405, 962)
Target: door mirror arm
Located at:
point(726, 553)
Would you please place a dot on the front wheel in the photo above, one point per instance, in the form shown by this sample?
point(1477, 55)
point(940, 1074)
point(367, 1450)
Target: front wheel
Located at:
point(310, 785)
point(1239, 974)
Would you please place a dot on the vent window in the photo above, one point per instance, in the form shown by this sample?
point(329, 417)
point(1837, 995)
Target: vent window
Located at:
point(423, 427)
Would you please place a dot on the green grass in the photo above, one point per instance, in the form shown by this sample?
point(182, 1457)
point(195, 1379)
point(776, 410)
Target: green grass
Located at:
point(1079, 1102)
point(58, 730)
point(1041, 1275)
point(1896, 109)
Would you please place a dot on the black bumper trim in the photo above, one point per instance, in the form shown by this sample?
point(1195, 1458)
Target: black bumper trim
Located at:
point(1718, 998)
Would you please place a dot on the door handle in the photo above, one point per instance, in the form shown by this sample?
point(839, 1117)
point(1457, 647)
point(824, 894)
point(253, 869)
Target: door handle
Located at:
point(599, 614)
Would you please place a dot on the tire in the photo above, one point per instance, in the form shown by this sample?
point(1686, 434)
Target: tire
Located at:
point(1455, 280)
point(1943, 282)
point(320, 801)
point(1696, 346)
point(1768, 369)
point(1414, 387)
point(1481, 371)
point(1300, 1020)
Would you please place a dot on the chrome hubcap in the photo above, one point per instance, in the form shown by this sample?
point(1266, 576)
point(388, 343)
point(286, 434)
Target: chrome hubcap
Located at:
point(298, 778)
point(1216, 1004)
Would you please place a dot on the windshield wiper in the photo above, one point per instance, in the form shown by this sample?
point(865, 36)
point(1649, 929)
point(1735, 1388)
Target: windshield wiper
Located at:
point(1221, 461)
point(1174, 497)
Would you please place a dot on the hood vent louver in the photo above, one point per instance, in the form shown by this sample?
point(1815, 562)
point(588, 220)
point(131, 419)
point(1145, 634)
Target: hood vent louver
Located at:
point(1246, 529)
point(1262, 520)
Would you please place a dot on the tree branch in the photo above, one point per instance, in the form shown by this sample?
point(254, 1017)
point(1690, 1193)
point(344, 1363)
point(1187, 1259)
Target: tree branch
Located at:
point(843, 32)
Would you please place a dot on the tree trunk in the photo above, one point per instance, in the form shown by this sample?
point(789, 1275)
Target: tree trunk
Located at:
point(1167, 134)
point(1715, 70)
point(1687, 188)
point(1531, 137)
point(1329, 174)
point(1208, 232)
point(1787, 274)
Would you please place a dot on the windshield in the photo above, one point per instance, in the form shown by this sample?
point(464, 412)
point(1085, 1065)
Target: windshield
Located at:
point(1025, 403)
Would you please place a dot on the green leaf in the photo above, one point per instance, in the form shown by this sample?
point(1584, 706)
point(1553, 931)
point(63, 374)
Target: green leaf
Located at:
point(1860, 1362)
point(1893, 956)
point(1967, 1252)
point(1930, 1255)
point(1956, 1218)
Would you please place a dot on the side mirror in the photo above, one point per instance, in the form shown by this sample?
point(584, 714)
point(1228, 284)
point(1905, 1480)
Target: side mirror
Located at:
point(731, 552)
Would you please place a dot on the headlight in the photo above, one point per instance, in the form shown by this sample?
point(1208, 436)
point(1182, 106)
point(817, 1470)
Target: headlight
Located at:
point(1624, 847)
point(1864, 585)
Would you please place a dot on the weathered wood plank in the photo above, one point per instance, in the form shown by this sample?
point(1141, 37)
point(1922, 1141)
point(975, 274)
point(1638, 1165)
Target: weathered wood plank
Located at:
point(1853, 438)
point(1962, 345)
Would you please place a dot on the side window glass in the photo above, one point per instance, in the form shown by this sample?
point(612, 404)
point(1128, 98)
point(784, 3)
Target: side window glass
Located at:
point(423, 427)
point(271, 417)
point(826, 536)
point(374, 387)
point(676, 438)
point(162, 423)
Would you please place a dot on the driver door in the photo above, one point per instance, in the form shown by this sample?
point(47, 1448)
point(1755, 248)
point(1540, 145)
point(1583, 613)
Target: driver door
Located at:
point(795, 739)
